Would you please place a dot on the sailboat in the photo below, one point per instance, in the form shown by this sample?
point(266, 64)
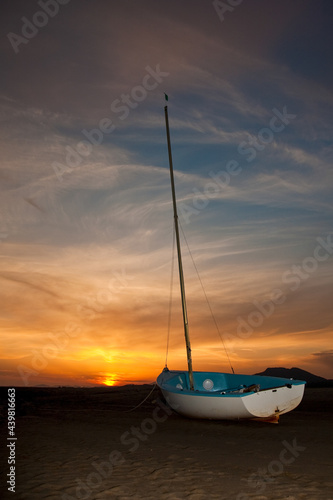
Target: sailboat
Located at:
point(221, 396)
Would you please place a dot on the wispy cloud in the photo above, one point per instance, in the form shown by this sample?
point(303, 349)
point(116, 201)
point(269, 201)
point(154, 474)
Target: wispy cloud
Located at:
point(95, 249)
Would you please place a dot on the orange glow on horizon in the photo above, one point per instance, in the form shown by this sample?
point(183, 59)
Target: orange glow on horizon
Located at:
point(121, 363)
point(110, 379)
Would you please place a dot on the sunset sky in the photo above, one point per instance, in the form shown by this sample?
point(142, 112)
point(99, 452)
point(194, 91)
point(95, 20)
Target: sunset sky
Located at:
point(86, 229)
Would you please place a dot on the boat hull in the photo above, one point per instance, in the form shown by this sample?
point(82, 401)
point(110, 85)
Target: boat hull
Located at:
point(225, 396)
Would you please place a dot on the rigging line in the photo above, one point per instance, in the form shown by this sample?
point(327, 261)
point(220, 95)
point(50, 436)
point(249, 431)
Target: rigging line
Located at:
point(204, 291)
point(171, 289)
point(137, 406)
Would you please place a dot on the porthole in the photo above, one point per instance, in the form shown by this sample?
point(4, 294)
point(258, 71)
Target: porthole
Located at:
point(208, 384)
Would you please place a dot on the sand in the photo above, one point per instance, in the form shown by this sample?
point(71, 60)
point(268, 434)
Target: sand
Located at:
point(85, 444)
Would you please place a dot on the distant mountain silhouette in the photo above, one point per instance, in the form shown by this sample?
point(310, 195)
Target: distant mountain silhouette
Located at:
point(298, 374)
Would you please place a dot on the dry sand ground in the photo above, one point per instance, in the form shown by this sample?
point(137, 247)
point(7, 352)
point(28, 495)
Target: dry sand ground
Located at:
point(85, 444)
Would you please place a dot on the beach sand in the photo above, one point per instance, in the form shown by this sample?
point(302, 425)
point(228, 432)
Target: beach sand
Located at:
point(86, 444)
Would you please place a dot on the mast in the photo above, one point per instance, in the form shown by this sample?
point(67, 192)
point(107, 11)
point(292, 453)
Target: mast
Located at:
point(180, 265)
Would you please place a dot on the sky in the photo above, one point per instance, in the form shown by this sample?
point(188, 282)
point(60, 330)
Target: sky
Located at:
point(86, 227)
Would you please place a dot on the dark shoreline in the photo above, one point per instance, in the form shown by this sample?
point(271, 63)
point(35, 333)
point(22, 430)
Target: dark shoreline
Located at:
point(72, 436)
point(27, 398)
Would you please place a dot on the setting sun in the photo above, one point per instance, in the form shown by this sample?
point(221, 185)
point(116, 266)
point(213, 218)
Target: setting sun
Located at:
point(110, 379)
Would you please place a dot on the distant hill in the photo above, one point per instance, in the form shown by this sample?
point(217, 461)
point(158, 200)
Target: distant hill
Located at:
point(298, 374)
